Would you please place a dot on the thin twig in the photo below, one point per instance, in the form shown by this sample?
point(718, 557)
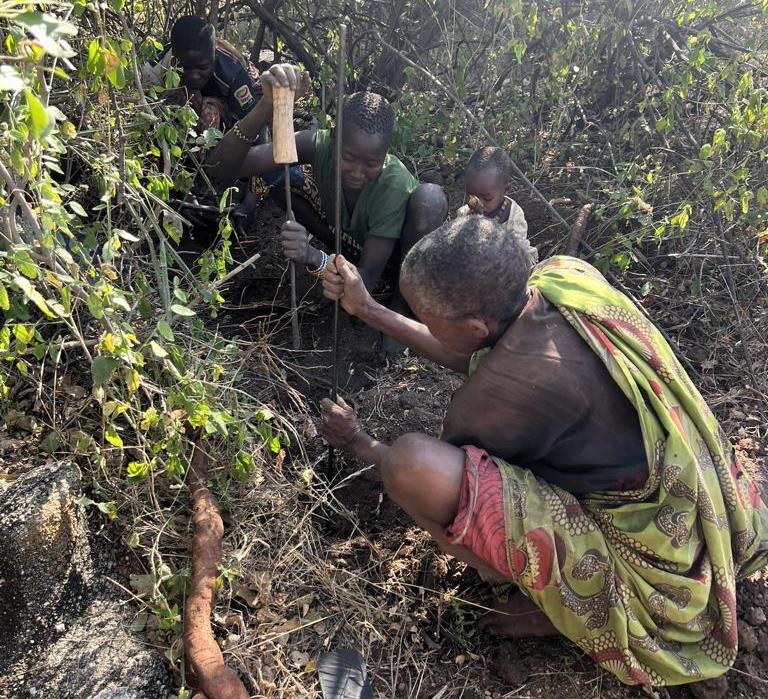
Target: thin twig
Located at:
point(235, 271)
point(731, 286)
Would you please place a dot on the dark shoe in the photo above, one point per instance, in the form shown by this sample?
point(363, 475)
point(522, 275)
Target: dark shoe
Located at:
point(343, 675)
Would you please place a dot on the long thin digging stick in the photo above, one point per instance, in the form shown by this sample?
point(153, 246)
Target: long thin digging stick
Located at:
point(292, 266)
point(337, 218)
point(284, 151)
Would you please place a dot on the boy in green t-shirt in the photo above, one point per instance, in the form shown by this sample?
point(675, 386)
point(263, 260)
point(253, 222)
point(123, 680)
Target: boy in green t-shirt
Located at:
point(385, 209)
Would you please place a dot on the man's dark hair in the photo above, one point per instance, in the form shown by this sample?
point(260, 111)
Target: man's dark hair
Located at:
point(491, 158)
point(471, 266)
point(191, 34)
point(370, 113)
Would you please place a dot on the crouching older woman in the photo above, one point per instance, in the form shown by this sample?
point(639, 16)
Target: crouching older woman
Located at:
point(578, 460)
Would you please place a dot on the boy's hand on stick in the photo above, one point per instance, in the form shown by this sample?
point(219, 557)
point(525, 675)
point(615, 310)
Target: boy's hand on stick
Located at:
point(285, 75)
point(343, 282)
point(295, 242)
point(339, 425)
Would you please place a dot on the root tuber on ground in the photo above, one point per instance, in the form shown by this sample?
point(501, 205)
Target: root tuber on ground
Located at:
point(214, 679)
point(577, 230)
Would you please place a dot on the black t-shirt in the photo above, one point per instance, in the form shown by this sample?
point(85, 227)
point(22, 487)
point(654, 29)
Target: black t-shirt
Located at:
point(231, 82)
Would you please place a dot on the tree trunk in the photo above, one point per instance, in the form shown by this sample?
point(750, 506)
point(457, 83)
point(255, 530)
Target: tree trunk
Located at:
point(213, 15)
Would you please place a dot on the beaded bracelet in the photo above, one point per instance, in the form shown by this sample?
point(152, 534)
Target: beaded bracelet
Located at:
point(320, 271)
point(239, 133)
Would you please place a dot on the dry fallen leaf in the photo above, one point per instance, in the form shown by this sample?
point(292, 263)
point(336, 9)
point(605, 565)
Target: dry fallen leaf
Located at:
point(17, 420)
point(262, 581)
point(308, 429)
point(286, 627)
point(177, 414)
point(76, 392)
point(266, 616)
point(140, 622)
point(250, 596)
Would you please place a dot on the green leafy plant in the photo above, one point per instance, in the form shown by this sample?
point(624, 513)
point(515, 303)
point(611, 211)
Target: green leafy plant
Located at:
point(91, 282)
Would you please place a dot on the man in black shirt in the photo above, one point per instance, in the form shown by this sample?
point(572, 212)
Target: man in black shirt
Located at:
point(222, 85)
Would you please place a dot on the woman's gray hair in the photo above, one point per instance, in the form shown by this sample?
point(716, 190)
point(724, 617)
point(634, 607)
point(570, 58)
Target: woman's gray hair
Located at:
point(471, 266)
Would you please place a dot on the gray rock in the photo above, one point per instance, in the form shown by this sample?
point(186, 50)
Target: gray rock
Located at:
point(45, 556)
point(98, 658)
point(121, 693)
point(64, 633)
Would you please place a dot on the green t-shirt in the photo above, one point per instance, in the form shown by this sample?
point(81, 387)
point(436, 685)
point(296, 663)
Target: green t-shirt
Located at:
point(381, 207)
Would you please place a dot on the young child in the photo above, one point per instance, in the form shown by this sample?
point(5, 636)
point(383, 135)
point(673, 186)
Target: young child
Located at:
point(486, 178)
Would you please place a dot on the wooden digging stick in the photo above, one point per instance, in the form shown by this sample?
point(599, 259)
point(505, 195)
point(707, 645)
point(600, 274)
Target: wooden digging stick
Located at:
point(284, 152)
point(337, 218)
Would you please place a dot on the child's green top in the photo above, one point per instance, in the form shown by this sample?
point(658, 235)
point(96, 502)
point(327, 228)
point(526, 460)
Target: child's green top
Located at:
point(381, 207)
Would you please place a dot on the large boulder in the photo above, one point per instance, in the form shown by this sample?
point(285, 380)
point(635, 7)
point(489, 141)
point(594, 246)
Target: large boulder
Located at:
point(45, 558)
point(64, 634)
point(97, 658)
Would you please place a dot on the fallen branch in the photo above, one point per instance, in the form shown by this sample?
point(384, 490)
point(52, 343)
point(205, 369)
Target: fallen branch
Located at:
point(577, 232)
point(214, 679)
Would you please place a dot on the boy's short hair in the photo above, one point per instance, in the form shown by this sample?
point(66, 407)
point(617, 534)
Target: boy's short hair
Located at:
point(191, 34)
point(370, 113)
point(491, 158)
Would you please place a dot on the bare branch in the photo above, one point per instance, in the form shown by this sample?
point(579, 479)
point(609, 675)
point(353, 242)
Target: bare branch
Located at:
point(293, 41)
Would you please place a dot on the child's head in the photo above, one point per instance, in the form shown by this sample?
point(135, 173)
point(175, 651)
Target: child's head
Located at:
point(193, 45)
point(368, 125)
point(486, 178)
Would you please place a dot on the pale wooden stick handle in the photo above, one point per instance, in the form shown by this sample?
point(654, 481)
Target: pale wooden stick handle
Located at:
point(283, 137)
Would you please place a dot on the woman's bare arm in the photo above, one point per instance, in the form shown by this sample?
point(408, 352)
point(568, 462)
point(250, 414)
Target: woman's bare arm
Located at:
point(342, 281)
